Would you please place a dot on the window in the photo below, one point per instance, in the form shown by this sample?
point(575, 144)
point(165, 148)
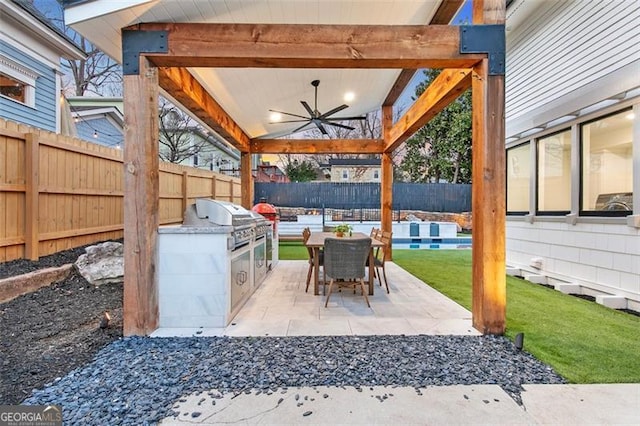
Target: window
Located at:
point(13, 89)
point(607, 167)
point(345, 175)
point(518, 175)
point(554, 173)
point(17, 82)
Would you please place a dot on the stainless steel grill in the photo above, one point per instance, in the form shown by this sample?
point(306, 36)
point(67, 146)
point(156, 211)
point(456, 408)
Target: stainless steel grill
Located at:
point(223, 213)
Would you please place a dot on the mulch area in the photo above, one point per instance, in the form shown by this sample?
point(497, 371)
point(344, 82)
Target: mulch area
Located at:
point(46, 334)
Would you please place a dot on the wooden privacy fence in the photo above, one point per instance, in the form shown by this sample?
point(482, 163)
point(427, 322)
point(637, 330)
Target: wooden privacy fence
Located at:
point(58, 192)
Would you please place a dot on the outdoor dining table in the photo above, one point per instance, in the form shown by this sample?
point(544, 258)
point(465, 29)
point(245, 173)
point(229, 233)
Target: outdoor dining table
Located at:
point(316, 242)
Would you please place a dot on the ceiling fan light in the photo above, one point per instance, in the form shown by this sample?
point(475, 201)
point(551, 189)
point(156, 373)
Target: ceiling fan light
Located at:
point(349, 96)
point(275, 116)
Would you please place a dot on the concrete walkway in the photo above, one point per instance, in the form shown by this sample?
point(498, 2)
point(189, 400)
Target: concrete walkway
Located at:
point(435, 405)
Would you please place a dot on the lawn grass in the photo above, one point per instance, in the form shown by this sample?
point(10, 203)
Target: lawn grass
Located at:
point(581, 340)
point(292, 250)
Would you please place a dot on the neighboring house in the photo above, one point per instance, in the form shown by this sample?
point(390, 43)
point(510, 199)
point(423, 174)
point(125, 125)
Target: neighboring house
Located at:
point(214, 154)
point(573, 146)
point(353, 169)
point(266, 172)
point(98, 120)
point(30, 71)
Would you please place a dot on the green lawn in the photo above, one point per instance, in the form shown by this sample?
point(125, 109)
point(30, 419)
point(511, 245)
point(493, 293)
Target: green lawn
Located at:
point(583, 341)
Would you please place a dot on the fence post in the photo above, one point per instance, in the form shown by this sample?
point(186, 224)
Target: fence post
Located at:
point(185, 190)
point(231, 189)
point(32, 192)
point(213, 187)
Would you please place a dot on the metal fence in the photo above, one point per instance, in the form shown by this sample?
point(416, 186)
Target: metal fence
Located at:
point(429, 197)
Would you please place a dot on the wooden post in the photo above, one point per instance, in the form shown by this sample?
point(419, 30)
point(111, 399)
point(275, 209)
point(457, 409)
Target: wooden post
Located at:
point(386, 176)
point(231, 189)
point(141, 194)
point(246, 180)
point(213, 186)
point(185, 190)
point(488, 188)
point(32, 196)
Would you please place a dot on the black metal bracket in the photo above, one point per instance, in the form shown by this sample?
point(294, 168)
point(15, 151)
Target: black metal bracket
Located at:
point(134, 42)
point(485, 39)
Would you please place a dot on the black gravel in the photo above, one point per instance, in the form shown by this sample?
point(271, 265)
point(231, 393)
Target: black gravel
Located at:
point(136, 380)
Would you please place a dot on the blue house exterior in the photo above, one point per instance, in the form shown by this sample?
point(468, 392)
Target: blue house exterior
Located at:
point(30, 70)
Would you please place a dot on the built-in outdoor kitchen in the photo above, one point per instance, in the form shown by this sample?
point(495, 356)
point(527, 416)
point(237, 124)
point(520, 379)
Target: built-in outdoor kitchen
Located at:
point(211, 264)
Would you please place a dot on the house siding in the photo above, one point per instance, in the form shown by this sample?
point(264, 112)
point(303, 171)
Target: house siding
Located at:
point(566, 45)
point(44, 114)
point(570, 59)
point(604, 257)
point(108, 134)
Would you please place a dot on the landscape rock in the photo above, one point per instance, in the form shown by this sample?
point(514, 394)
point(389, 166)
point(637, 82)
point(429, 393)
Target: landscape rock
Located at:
point(102, 263)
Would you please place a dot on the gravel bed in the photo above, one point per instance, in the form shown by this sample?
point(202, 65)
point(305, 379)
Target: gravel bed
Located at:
point(137, 380)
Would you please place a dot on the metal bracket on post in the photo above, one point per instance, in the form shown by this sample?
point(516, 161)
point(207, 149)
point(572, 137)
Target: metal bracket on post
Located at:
point(488, 39)
point(135, 41)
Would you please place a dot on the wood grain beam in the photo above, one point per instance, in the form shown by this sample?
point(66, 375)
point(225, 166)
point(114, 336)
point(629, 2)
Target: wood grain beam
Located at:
point(386, 181)
point(246, 181)
point(183, 87)
point(316, 146)
point(489, 186)
point(141, 198)
point(441, 92)
point(443, 16)
point(309, 46)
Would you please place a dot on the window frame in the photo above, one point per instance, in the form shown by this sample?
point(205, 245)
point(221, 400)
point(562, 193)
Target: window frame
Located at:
point(22, 74)
point(539, 212)
point(528, 143)
point(597, 213)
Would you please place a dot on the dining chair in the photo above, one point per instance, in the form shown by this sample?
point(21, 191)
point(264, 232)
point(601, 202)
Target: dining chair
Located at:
point(344, 260)
point(380, 256)
point(306, 233)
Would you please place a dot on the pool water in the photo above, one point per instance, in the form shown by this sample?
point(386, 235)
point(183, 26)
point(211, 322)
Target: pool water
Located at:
point(432, 243)
point(430, 246)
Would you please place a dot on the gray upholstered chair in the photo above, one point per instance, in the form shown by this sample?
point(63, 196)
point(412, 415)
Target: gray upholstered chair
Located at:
point(345, 259)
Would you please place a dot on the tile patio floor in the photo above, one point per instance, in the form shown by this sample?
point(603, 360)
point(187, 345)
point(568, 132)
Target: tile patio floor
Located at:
point(280, 307)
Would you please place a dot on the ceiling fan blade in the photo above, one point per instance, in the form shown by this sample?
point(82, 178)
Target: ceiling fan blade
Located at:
point(308, 108)
point(301, 127)
point(344, 118)
point(339, 125)
point(333, 111)
point(288, 121)
point(288, 113)
point(321, 127)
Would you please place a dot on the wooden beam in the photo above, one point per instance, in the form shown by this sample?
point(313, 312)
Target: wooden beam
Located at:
point(386, 181)
point(445, 13)
point(441, 92)
point(316, 146)
point(309, 46)
point(141, 195)
point(182, 86)
point(246, 180)
point(488, 188)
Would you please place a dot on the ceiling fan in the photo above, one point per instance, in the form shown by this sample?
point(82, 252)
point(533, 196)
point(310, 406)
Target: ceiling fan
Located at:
point(317, 118)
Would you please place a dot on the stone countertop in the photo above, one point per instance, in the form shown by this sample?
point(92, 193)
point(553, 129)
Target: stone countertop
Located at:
point(179, 229)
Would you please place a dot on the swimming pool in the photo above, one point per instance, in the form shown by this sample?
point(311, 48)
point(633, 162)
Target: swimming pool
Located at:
point(431, 243)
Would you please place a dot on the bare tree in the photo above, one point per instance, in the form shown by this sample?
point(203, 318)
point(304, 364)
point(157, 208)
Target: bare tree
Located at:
point(178, 140)
point(98, 73)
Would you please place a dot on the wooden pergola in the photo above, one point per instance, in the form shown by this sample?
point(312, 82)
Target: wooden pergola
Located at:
point(158, 55)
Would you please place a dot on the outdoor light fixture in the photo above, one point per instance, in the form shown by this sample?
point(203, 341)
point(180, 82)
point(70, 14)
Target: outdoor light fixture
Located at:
point(349, 96)
point(519, 341)
point(275, 116)
point(95, 134)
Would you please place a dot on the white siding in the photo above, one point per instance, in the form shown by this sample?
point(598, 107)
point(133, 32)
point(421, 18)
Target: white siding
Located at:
point(565, 45)
point(598, 256)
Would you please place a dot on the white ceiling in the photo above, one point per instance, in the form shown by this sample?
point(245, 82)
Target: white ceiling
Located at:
point(248, 94)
